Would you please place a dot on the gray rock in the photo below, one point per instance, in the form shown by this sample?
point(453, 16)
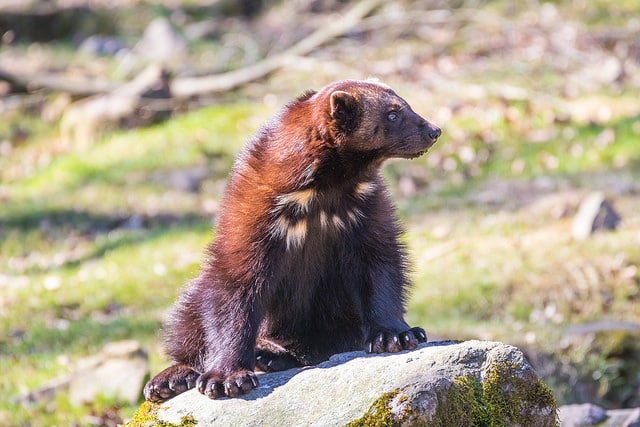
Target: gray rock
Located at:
point(629, 417)
point(118, 371)
point(587, 414)
point(594, 213)
point(440, 381)
point(162, 44)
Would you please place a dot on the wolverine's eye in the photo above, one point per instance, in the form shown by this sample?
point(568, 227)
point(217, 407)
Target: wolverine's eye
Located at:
point(392, 116)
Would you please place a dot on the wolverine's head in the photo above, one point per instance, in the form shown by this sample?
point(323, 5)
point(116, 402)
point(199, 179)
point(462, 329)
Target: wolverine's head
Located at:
point(366, 115)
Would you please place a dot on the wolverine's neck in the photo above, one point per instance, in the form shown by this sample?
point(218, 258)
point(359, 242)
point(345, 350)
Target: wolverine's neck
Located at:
point(339, 168)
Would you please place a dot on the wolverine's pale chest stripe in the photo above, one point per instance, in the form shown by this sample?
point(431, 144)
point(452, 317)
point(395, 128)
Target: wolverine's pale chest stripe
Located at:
point(364, 189)
point(293, 233)
point(299, 200)
point(338, 222)
point(280, 226)
point(355, 215)
point(324, 220)
point(292, 226)
point(296, 234)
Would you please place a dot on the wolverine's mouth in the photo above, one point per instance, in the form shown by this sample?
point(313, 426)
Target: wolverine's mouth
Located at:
point(409, 153)
point(416, 154)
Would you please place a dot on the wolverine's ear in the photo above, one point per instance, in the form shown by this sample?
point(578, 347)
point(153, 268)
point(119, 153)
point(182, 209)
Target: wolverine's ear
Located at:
point(345, 110)
point(342, 103)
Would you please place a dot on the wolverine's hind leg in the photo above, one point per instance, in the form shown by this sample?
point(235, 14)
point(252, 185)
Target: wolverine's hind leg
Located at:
point(272, 357)
point(171, 382)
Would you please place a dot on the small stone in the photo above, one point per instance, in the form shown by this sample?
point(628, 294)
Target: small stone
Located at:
point(594, 213)
point(162, 44)
point(585, 415)
point(633, 419)
point(119, 372)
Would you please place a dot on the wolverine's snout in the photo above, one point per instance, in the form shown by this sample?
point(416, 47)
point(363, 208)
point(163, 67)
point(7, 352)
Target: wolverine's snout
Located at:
point(432, 132)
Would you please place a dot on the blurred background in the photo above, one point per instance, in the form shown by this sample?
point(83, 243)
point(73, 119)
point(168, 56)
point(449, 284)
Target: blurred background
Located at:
point(120, 120)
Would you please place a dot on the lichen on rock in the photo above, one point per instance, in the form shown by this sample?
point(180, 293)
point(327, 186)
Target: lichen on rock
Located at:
point(147, 416)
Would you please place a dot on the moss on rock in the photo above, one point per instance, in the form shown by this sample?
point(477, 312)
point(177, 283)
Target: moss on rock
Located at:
point(504, 397)
point(147, 416)
point(462, 405)
point(379, 414)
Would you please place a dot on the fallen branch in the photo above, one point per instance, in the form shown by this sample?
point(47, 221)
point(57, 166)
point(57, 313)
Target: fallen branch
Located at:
point(30, 82)
point(186, 87)
point(82, 119)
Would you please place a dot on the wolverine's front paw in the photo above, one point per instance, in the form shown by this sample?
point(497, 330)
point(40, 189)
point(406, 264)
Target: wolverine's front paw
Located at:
point(172, 381)
point(214, 385)
point(387, 341)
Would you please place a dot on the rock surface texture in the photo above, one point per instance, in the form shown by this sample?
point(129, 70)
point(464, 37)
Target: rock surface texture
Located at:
point(440, 383)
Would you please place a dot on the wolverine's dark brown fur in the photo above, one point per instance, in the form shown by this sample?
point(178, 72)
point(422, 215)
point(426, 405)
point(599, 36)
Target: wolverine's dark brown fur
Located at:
point(306, 262)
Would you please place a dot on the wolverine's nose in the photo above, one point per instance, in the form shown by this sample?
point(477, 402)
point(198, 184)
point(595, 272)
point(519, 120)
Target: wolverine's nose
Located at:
point(434, 132)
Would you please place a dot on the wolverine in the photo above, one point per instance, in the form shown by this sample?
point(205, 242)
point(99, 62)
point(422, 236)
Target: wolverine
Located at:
point(306, 261)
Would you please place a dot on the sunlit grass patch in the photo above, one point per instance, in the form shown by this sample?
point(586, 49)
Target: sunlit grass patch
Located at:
point(183, 141)
point(525, 273)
